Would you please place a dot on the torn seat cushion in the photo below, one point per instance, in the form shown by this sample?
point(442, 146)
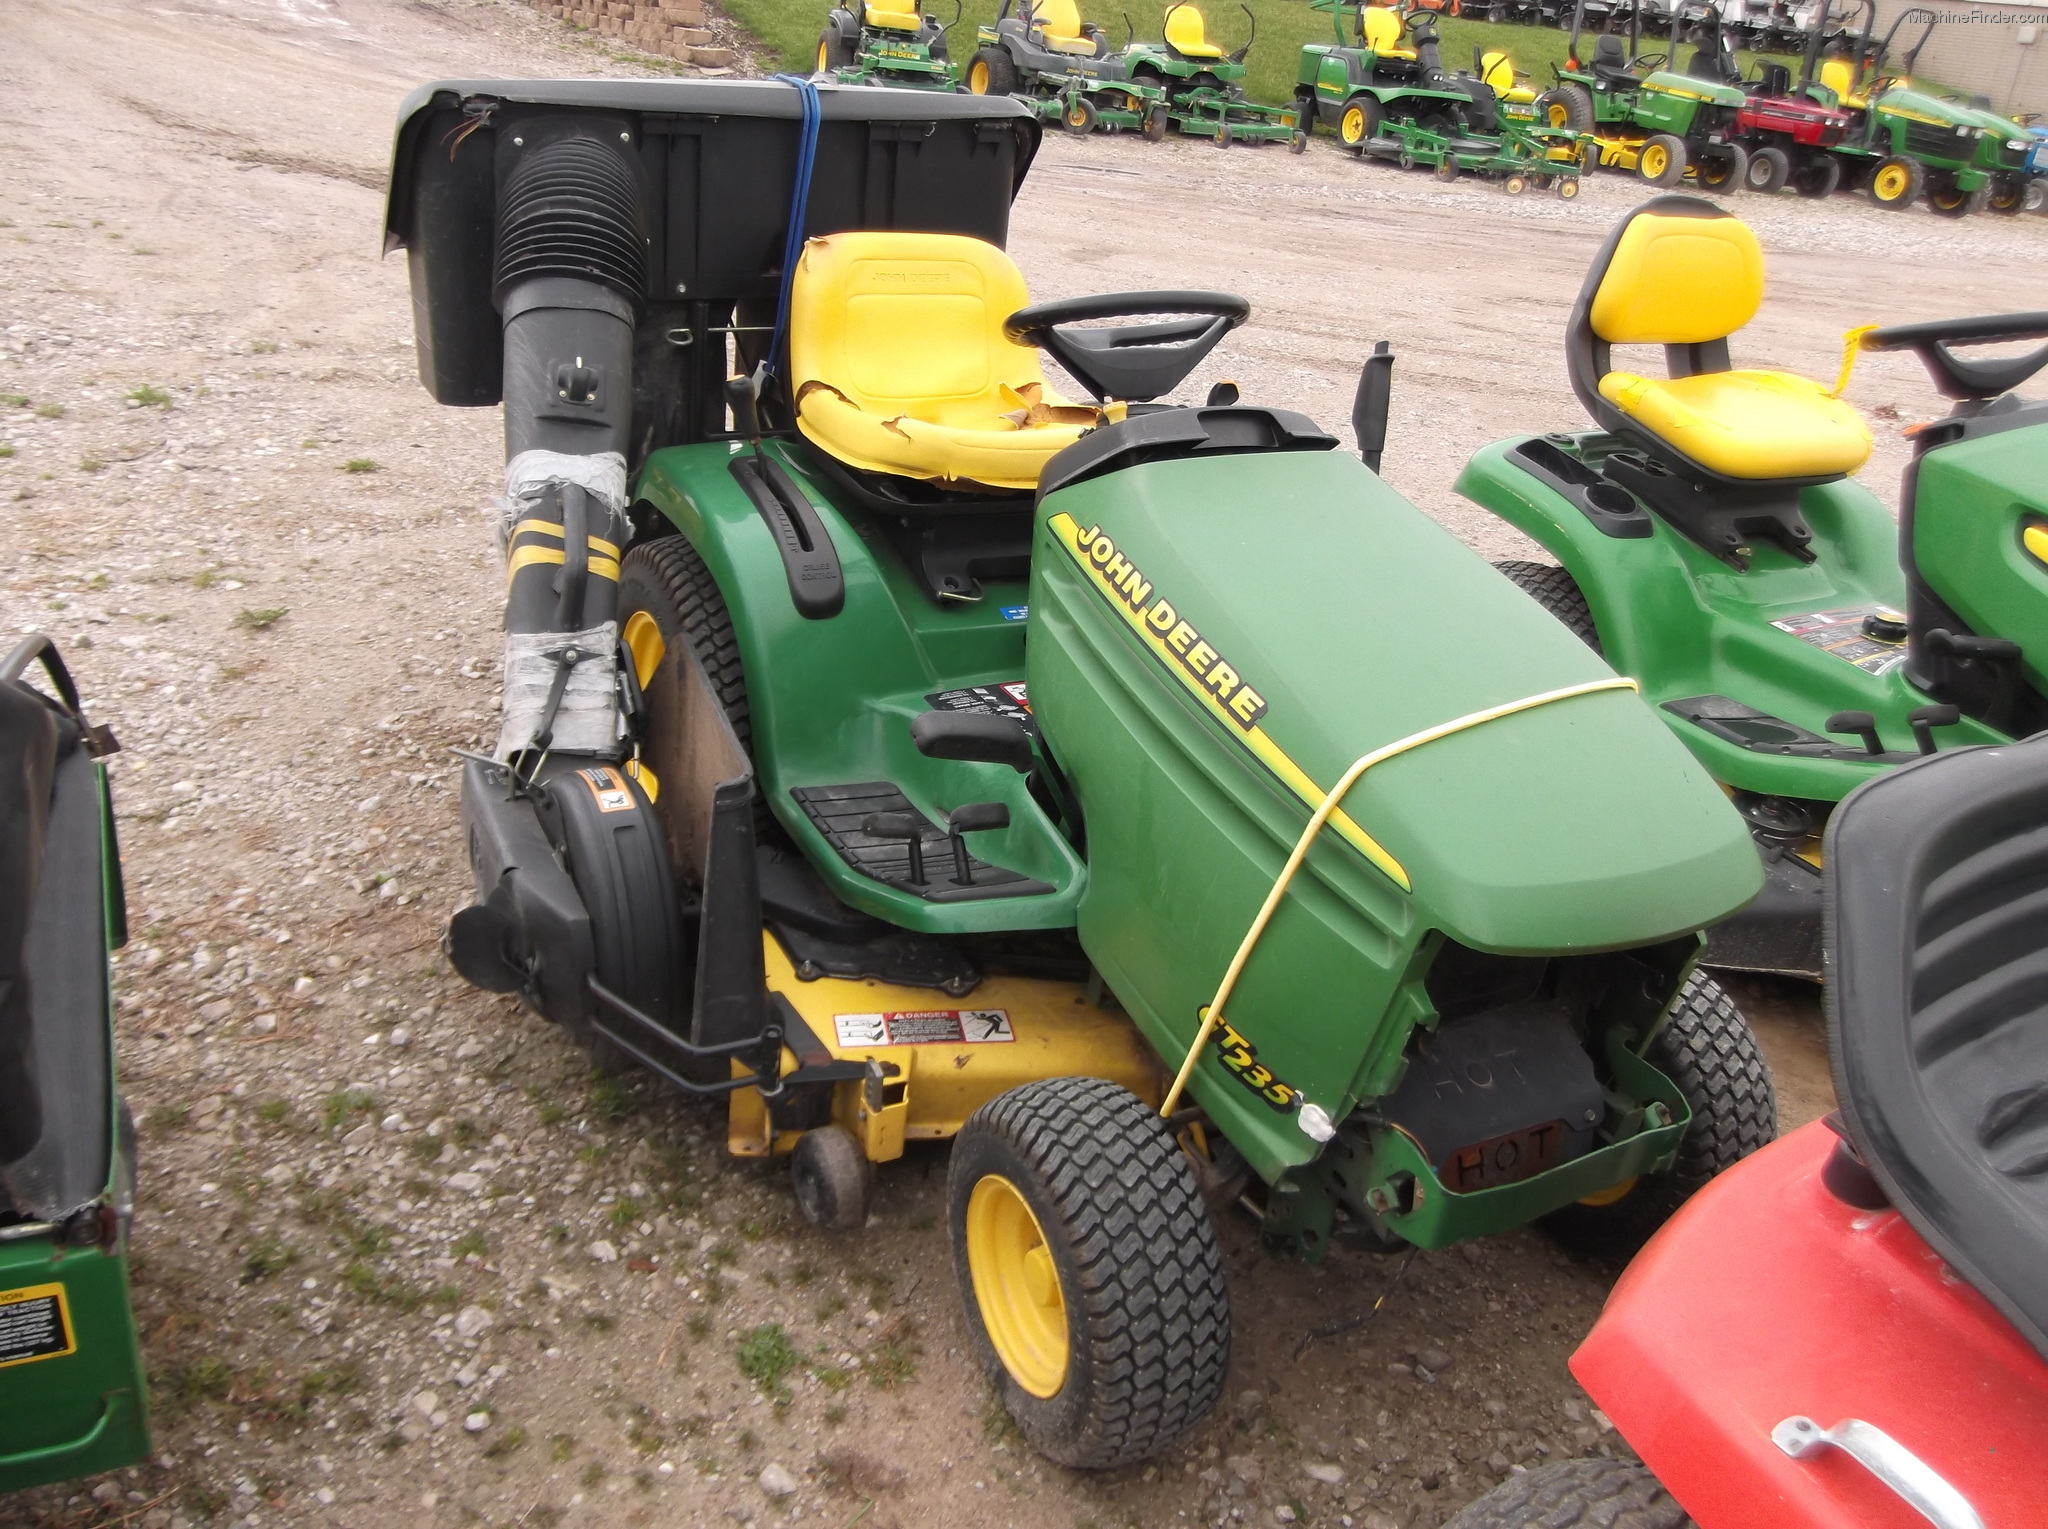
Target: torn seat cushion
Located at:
point(901, 365)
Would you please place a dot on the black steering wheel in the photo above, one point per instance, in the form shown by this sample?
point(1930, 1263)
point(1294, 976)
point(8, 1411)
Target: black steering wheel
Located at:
point(1132, 362)
point(1646, 63)
point(1955, 377)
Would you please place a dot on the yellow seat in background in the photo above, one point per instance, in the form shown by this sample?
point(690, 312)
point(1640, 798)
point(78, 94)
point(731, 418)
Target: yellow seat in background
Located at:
point(1675, 279)
point(901, 366)
point(1382, 27)
point(1059, 24)
point(893, 21)
point(1497, 70)
point(1187, 35)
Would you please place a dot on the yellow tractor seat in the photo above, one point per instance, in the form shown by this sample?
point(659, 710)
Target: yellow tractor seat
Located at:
point(892, 21)
point(1497, 72)
point(900, 364)
point(1840, 77)
point(1058, 23)
point(1186, 34)
point(1680, 273)
point(1381, 27)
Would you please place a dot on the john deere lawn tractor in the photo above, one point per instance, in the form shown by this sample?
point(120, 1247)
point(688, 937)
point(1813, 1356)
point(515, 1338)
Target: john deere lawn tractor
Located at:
point(72, 1396)
point(1710, 543)
point(865, 44)
point(1141, 796)
point(1664, 126)
point(1386, 72)
point(1064, 69)
point(1452, 124)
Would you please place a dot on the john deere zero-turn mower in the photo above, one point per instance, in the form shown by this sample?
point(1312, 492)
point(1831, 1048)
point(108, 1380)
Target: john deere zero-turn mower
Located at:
point(1063, 68)
point(1666, 127)
point(1391, 98)
point(1712, 545)
point(865, 44)
point(903, 752)
point(72, 1398)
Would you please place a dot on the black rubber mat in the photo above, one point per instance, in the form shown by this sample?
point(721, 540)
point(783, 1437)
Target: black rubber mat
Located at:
point(838, 811)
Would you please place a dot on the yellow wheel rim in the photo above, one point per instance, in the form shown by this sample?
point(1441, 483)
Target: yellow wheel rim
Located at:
point(1353, 128)
point(1610, 1194)
point(824, 58)
point(1016, 1287)
point(1076, 117)
point(1556, 115)
point(1654, 161)
point(644, 642)
point(977, 78)
point(1890, 183)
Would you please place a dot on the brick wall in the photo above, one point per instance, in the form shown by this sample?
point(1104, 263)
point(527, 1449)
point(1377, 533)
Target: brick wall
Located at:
point(1996, 48)
point(673, 29)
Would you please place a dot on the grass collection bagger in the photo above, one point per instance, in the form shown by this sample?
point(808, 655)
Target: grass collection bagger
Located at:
point(1063, 68)
point(1711, 544)
point(905, 753)
point(1849, 1330)
point(1664, 126)
point(72, 1392)
point(865, 44)
point(1390, 97)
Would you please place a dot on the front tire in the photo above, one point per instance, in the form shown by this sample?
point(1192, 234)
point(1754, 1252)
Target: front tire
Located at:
point(1897, 183)
point(1707, 1048)
point(1079, 117)
point(1090, 1272)
point(1721, 167)
point(1945, 199)
point(1769, 170)
point(1576, 1494)
point(1661, 161)
point(1360, 120)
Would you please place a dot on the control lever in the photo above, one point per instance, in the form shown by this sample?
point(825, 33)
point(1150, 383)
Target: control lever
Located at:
point(984, 736)
point(1861, 723)
point(972, 818)
point(1927, 718)
point(1942, 640)
point(904, 826)
point(1222, 394)
point(1369, 405)
point(743, 397)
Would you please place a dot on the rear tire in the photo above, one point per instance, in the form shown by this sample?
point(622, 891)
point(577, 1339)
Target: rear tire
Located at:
point(835, 50)
point(1769, 170)
point(1721, 167)
point(1558, 592)
point(1565, 106)
point(1576, 1494)
point(1707, 1048)
point(991, 72)
point(1078, 1226)
point(1818, 178)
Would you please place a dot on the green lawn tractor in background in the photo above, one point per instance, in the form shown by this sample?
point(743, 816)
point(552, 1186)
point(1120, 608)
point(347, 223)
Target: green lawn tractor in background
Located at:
point(1666, 127)
point(1905, 143)
point(865, 44)
point(1062, 67)
point(72, 1397)
point(1142, 797)
point(1710, 543)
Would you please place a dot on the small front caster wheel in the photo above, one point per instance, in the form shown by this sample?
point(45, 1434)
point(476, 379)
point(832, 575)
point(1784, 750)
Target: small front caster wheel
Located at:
point(1299, 142)
point(833, 1179)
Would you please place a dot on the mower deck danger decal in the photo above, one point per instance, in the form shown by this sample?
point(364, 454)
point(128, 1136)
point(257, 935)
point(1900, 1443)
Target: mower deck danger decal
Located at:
point(924, 1027)
point(1201, 669)
point(609, 787)
point(35, 1323)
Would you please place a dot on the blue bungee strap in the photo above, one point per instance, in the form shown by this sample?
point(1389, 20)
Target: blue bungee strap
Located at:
point(799, 202)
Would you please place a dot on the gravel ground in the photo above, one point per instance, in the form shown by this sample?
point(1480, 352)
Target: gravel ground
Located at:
point(399, 1257)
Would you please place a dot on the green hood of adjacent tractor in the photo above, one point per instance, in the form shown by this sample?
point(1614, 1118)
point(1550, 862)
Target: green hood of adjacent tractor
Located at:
point(1918, 106)
point(1322, 618)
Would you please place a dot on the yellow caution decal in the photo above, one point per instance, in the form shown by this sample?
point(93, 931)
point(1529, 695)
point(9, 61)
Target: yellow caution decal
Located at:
point(1223, 691)
point(35, 1323)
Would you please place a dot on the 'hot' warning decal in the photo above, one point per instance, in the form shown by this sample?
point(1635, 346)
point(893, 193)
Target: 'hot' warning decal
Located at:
point(924, 1027)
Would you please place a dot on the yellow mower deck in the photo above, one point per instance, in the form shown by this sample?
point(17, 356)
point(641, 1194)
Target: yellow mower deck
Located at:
point(948, 1061)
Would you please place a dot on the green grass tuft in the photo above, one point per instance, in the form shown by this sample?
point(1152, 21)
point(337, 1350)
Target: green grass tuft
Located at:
point(251, 620)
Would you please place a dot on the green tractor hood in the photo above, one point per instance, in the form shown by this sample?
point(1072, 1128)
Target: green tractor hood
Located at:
point(1309, 616)
point(1665, 82)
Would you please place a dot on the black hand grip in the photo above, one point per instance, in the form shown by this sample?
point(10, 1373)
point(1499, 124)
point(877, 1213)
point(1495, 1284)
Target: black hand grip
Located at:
point(746, 409)
point(987, 737)
point(1924, 720)
point(904, 826)
point(1942, 641)
point(1955, 377)
point(976, 817)
point(1861, 723)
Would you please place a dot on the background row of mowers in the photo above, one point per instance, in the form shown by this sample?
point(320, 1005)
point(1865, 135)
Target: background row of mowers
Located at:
point(1849, 117)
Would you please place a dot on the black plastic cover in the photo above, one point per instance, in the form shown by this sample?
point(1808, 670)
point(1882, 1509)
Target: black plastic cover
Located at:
point(1172, 433)
point(1937, 1001)
point(716, 160)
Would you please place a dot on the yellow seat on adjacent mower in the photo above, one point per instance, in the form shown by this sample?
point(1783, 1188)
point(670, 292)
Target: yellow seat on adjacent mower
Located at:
point(1681, 273)
point(893, 21)
point(1186, 34)
point(1840, 77)
point(1497, 71)
point(1381, 27)
point(901, 366)
point(1059, 24)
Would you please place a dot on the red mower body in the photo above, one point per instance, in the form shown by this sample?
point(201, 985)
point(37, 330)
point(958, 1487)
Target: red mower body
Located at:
point(1767, 1298)
point(1804, 122)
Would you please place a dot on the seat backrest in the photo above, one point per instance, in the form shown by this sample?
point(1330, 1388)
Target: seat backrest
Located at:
point(903, 323)
point(1060, 18)
point(1498, 71)
point(1187, 35)
point(894, 18)
point(1381, 26)
point(1839, 75)
point(1678, 280)
point(1609, 57)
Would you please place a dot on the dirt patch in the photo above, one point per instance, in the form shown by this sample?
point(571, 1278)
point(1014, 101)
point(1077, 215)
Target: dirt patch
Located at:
point(399, 1257)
